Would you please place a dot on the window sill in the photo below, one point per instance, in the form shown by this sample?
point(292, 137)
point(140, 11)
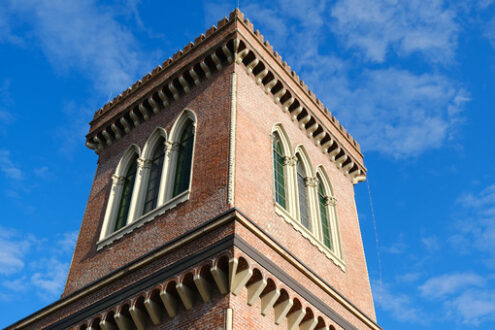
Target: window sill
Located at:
point(339, 262)
point(181, 198)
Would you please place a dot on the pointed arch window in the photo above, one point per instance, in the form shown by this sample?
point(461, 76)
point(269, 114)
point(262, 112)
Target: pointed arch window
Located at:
point(302, 194)
point(184, 159)
point(279, 173)
point(156, 169)
point(125, 199)
point(324, 216)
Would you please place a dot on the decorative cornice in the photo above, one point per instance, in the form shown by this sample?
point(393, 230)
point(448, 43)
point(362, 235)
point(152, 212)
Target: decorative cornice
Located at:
point(132, 293)
point(230, 49)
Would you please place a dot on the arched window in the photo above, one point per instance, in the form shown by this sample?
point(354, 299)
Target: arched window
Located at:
point(153, 187)
point(324, 216)
point(302, 194)
point(125, 199)
point(183, 165)
point(279, 173)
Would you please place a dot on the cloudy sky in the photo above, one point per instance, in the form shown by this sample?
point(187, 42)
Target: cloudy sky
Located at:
point(413, 81)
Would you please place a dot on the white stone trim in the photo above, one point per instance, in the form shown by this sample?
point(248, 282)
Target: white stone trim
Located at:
point(165, 202)
point(181, 198)
point(310, 237)
point(291, 214)
point(331, 211)
point(171, 158)
point(289, 168)
point(142, 180)
point(232, 137)
point(116, 190)
point(310, 191)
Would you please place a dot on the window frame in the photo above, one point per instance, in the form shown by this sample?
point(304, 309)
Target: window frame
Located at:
point(331, 207)
point(292, 214)
point(132, 153)
point(135, 217)
point(175, 134)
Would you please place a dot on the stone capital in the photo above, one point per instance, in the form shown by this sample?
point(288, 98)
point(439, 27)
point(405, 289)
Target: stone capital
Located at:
point(118, 180)
point(143, 163)
point(171, 146)
point(311, 181)
point(291, 161)
point(330, 201)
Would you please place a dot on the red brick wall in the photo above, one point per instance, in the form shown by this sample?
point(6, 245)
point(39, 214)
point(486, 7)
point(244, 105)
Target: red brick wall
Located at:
point(211, 103)
point(256, 116)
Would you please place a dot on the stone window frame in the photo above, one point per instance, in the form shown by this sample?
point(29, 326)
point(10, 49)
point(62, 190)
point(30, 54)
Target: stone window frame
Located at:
point(136, 218)
point(171, 156)
point(289, 157)
point(331, 207)
point(302, 156)
point(291, 214)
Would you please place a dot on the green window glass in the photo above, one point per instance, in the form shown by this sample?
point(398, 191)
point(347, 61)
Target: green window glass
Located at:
point(303, 198)
point(125, 200)
point(155, 176)
point(278, 173)
point(324, 216)
point(184, 159)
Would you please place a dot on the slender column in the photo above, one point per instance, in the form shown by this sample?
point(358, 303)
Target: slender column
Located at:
point(168, 173)
point(290, 163)
point(138, 192)
point(113, 205)
point(311, 184)
point(330, 204)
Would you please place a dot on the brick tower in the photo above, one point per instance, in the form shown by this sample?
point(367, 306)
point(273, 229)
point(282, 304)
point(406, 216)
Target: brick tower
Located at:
point(223, 198)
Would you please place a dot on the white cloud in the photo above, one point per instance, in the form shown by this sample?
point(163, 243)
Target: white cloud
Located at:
point(475, 306)
point(71, 136)
point(380, 26)
point(439, 287)
point(51, 278)
point(475, 227)
point(12, 251)
point(23, 265)
point(85, 36)
point(395, 112)
point(67, 243)
point(409, 277)
point(401, 306)
point(430, 243)
point(396, 248)
point(8, 168)
point(41, 171)
point(16, 285)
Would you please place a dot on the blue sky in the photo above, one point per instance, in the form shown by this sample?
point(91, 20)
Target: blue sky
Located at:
point(413, 81)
